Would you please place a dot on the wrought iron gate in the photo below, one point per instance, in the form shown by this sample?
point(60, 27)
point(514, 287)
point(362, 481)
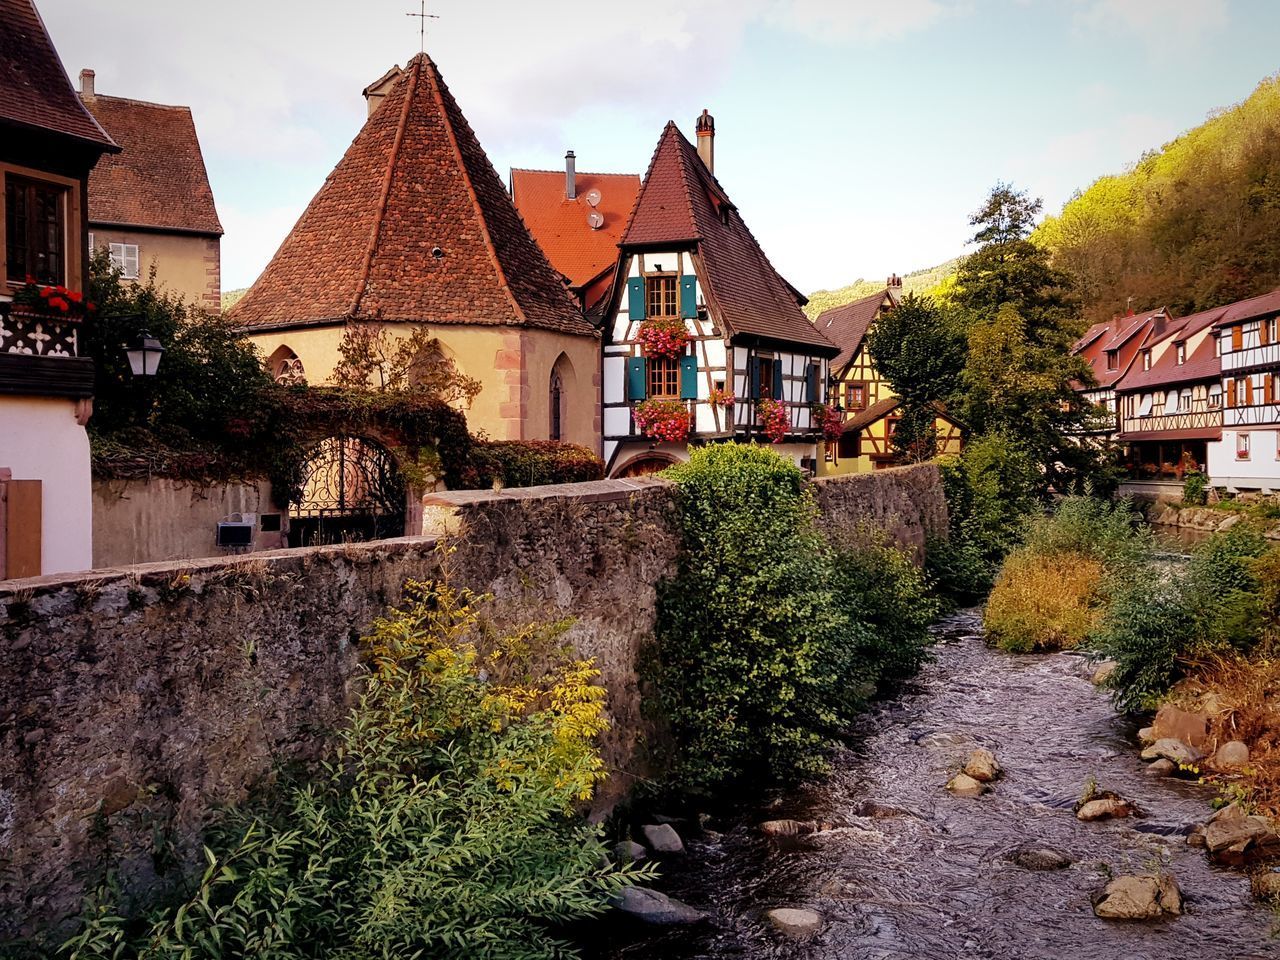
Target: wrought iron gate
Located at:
point(352, 489)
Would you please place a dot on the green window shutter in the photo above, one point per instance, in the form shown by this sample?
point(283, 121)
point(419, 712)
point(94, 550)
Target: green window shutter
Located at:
point(635, 298)
point(811, 383)
point(688, 296)
point(777, 378)
point(753, 377)
point(689, 377)
point(637, 388)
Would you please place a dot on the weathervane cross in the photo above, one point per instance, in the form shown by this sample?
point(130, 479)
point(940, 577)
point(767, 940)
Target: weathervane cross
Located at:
point(423, 17)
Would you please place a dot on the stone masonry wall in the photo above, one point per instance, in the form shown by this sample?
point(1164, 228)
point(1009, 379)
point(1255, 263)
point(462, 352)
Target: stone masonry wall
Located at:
point(144, 697)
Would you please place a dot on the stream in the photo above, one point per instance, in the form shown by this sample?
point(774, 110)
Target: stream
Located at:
point(929, 880)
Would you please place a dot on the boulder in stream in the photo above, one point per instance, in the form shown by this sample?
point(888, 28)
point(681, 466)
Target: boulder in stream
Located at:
point(1146, 897)
point(1104, 808)
point(628, 851)
point(1103, 672)
point(1161, 768)
point(982, 766)
point(1031, 857)
point(662, 838)
point(963, 785)
point(1175, 751)
point(1265, 886)
point(787, 828)
point(650, 906)
point(796, 921)
point(1232, 836)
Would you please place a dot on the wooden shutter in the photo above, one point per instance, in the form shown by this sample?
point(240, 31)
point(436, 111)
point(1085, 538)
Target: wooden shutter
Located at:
point(753, 377)
point(637, 387)
point(777, 378)
point(1248, 392)
point(1237, 337)
point(688, 296)
point(635, 298)
point(1231, 393)
point(811, 383)
point(1264, 332)
point(689, 377)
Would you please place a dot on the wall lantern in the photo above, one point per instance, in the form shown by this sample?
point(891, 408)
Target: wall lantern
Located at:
point(144, 356)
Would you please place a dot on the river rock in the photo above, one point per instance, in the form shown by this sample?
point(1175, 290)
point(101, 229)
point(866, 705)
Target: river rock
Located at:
point(1104, 808)
point(1147, 735)
point(1038, 858)
point(1173, 750)
point(1232, 755)
point(1178, 724)
point(982, 766)
point(963, 785)
point(1265, 886)
point(650, 906)
point(1232, 836)
point(662, 838)
point(1104, 671)
point(1139, 898)
point(796, 921)
point(787, 828)
point(1162, 768)
point(628, 851)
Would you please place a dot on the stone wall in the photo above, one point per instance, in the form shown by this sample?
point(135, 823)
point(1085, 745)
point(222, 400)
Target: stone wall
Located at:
point(140, 521)
point(149, 695)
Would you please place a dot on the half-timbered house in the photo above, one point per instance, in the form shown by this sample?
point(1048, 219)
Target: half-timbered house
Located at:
point(704, 340)
point(1170, 399)
point(863, 396)
point(1110, 349)
point(48, 144)
point(1248, 455)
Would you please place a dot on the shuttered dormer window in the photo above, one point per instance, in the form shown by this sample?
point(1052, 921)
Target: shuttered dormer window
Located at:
point(1181, 353)
point(1113, 360)
point(1146, 359)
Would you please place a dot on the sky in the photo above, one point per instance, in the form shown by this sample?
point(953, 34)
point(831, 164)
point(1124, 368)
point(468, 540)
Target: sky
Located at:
point(855, 136)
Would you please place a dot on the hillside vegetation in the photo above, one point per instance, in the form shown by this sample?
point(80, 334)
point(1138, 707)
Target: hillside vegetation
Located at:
point(920, 281)
point(1192, 226)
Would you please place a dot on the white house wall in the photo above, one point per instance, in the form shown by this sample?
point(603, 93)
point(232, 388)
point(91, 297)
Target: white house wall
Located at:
point(1261, 471)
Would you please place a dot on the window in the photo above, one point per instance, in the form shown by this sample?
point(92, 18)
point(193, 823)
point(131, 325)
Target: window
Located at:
point(1184, 401)
point(1182, 353)
point(35, 230)
point(1113, 360)
point(766, 377)
point(124, 257)
point(663, 376)
point(661, 296)
point(1242, 446)
point(1266, 332)
point(1147, 402)
point(891, 426)
point(1217, 345)
point(286, 367)
point(1215, 397)
point(557, 406)
point(855, 396)
point(1146, 359)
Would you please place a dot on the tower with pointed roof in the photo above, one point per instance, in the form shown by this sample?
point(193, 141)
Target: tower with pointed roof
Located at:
point(414, 228)
point(699, 317)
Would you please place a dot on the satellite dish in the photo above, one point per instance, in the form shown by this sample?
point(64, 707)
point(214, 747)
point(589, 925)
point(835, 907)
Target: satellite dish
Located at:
point(595, 219)
point(592, 197)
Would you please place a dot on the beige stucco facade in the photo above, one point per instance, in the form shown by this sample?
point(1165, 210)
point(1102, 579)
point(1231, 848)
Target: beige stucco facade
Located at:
point(186, 264)
point(513, 364)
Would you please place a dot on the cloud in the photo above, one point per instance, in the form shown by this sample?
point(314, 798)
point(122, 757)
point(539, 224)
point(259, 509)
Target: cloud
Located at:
point(864, 20)
point(1157, 24)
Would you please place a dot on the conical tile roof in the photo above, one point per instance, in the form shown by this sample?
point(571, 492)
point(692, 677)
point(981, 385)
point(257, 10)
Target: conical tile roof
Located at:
point(412, 225)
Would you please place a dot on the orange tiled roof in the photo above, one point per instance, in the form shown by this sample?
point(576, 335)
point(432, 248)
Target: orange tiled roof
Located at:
point(34, 89)
point(158, 179)
point(560, 225)
point(682, 203)
point(415, 180)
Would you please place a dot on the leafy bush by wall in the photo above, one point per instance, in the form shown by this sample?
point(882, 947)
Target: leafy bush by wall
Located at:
point(528, 463)
point(443, 825)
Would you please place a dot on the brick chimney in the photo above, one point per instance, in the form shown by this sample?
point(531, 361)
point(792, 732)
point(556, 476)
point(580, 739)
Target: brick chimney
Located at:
point(894, 285)
point(86, 83)
point(570, 176)
point(706, 127)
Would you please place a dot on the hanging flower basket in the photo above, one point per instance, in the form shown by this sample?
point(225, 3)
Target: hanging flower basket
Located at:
point(663, 420)
point(828, 421)
point(774, 419)
point(720, 397)
point(53, 300)
point(663, 337)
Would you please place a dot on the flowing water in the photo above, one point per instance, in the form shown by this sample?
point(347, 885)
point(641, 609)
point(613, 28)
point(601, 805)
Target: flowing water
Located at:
point(929, 881)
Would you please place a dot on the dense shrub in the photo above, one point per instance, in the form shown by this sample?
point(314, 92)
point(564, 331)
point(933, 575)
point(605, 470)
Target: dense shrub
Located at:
point(442, 827)
point(1044, 601)
point(529, 463)
point(1195, 489)
point(770, 640)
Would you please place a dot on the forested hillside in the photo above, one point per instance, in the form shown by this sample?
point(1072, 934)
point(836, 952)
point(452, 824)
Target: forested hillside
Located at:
point(1191, 226)
point(921, 282)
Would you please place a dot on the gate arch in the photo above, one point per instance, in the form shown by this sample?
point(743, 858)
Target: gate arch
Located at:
point(352, 489)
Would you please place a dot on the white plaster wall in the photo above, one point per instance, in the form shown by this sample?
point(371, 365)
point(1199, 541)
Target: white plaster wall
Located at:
point(1260, 472)
point(40, 440)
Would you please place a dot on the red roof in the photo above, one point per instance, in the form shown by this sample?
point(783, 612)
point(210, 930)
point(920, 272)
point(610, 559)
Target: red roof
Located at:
point(158, 179)
point(412, 225)
point(1251, 309)
point(682, 204)
point(1202, 364)
point(1124, 335)
point(34, 89)
point(847, 325)
point(560, 225)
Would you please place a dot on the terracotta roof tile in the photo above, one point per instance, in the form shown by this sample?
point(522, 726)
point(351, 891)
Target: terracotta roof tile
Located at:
point(560, 225)
point(681, 203)
point(847, 325)
point(34, 89)
point(1124, 335)
point(1250, 309)
point(414, 179)
point(1202, 364)
point(158, 179)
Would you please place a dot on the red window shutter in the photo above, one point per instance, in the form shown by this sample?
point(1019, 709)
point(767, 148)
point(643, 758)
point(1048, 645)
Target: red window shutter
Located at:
point(1231, 393)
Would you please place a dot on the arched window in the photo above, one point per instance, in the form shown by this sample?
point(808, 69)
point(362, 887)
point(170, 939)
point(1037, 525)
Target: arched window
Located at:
point(557, 406)
point(285, 366)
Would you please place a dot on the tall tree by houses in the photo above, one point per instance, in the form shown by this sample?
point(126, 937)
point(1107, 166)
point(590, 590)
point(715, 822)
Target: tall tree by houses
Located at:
point(705, 340)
